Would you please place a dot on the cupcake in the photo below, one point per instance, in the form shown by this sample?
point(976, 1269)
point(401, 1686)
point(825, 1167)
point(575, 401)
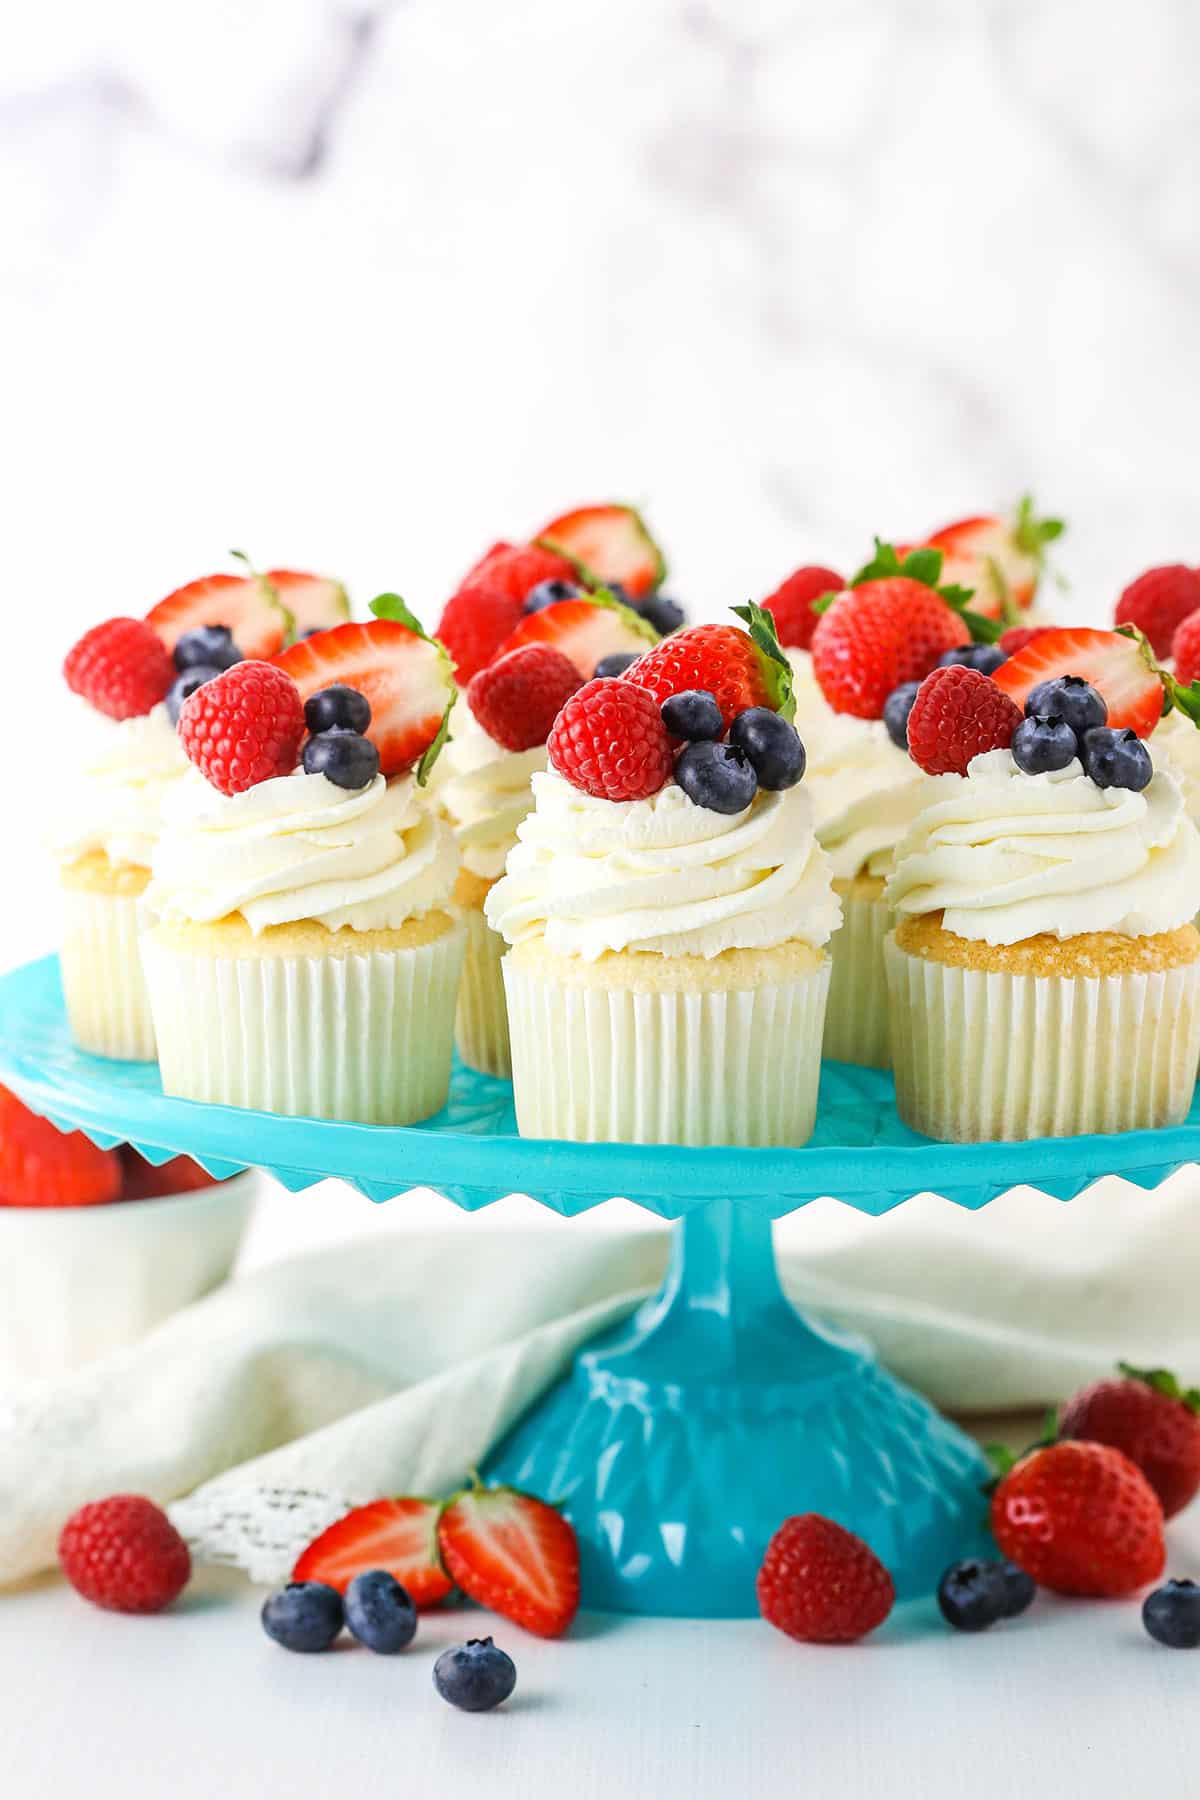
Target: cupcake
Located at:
point(305, 952)
point(667, 907)
point(1044, 971)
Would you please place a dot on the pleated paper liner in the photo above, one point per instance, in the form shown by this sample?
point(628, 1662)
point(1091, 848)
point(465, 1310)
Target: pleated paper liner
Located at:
point(856, 1021)
point(106, 997)
point(992, 1055)
point(481, 1027)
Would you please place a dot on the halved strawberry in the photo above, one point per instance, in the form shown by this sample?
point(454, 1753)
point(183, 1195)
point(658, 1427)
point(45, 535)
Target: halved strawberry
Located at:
point(405, 676)
point(246, 603)
point(400, 1536)
point(1120, 668)
point(608, 543)
point(1000, 559)
point(586, 630)
point(315, 601)
point(513, 1554)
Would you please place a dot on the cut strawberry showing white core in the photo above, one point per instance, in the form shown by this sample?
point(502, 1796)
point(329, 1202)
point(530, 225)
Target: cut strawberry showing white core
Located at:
point(1001, 559)
point(245, 603)
point(315, 602)
point(406, 678)
point(400, 1536)
point(608, 543)
point(1120, 668)
point(586, 630)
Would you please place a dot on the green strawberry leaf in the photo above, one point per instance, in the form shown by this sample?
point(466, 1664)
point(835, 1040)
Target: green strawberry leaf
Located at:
point(777, 670)
point(391, 606)
point(1031, 533)
point(434, 750)
point(270, 594)
point(1163, 1382)
point(924, 564)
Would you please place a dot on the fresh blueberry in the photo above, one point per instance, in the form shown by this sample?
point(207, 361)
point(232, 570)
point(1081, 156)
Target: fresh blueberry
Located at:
point(973, 1595)
point(1043, 742)
point(305, 1615)
point(379, 1612)
point(693, 715)
point(719, 777)
point(208, 647)
point(611, 666)
point(185, 685)
point(475, 1676)
point(1171, 1614)
point(896, 709)
point(337, 706)
point(1020, 1590)
point(984, 657)
point(665, 615)
point(773, 746)
point(1072, 698)
point(549, 593)
point(1116, 759)
point(343, 757)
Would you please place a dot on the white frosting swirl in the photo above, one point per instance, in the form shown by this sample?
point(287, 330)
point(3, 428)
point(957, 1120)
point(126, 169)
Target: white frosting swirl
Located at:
point(300, 847)
point(1006, 856)
point(116, 801)
point(866, 791)
point(1176, 745)
point(663, 875)
point(812, 708)
point(484, 791)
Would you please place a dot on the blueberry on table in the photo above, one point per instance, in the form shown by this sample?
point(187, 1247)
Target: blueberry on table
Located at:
point(1020, 1590)
point(1072, 698)
point(665, 615)
point(773, 746)
point(1117, 759)
point(208, 646)
point(719, 777)
point(1171, 1614)
point(974, 1595)
point(1042, 743)
point(896, 709)
point(475, 1676)
point(337, 706)
point(185, 685)
point(549, 593)
point(305, 1616)
point(984, 657)
point(694, 715)
point(380, 1612)
point(343, 757)
point(609, 667)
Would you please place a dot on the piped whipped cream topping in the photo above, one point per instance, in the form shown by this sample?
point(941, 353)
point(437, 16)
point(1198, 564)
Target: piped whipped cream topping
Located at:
point(1175, 744)
point(116, 800)
point(1007, 856)
point(664, 875)
point(484, 791)
point(866, 791)
point(299, 847)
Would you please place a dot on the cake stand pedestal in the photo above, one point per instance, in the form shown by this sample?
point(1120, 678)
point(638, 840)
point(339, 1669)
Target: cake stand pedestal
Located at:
point(678, 1443)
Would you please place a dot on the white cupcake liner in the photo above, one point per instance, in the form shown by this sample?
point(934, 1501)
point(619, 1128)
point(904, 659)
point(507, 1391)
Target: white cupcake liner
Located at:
point(609, 1065)
point(856, 1020)
point(481, 1026)
point(986, 1055)
point(366, 1036)
point(79, 1281)
point(107, 1003)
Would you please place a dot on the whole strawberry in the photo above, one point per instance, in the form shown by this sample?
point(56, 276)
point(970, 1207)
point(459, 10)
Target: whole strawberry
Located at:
point(889, 628)
point(1082, 1519)
point(821, 1584)
point(609, 741)
point(740, 669)
point(791, 605)
point(1155, 1422)
point(43, 1166)
point(957, 714)
point(490, 604)
point(243, 727)
point(124, 1554)
point(518, 697)
point(122, 668)
point(1158, 602)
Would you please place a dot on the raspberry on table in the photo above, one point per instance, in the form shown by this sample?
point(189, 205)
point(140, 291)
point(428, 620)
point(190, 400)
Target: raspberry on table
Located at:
point(821, 1584)
point(124, 1554)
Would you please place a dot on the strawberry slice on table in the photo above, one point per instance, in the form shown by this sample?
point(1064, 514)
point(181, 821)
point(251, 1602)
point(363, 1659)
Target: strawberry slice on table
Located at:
point(586, 630)
point(1121, 668)
point(400, 1536)
point(740, 668)
point(513, 1554)
point(43, 1166)
point(608, 543)
point(1001, 559)
point(405, 676)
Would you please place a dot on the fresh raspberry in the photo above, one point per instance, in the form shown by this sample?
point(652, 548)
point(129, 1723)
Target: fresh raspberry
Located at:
point(490, 604)
point(1158, 602)
point(517, 698)
point(957, 714)
point(721, 660)
point(1081, 1519)
point(124, 1554)
point(42, 1166)
point(877, 636)
point(122, 668)
point(1155, 1422)
point(243, 727)
point(821, 1584)
point(1185, 649)
point(1017, 636)
point(791, 604)
point(610, 741)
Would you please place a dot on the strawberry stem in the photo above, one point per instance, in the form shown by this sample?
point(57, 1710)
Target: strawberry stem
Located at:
point(777, 670)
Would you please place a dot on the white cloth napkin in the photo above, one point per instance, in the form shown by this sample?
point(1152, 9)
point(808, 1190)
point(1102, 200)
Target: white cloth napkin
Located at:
point(392, 1365)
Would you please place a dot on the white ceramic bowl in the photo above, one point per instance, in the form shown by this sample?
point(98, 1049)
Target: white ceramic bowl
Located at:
point(77, 1281)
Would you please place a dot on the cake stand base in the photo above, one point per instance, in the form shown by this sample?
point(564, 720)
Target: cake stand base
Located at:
point(680, 1442)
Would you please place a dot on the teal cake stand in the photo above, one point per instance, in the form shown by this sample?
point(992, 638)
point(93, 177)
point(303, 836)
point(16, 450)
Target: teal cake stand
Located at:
point(679, 1442)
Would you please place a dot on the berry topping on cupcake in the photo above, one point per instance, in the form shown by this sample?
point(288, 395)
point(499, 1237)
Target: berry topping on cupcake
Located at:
point(588, 630)
point(608, 544)
point(120, 668)
point(791, 605)
point(739, 668)
point(958, 714)
point(243, 727)
point(1001, 559)
point(609, 741)
point(517, 698)
point(261, 612)
point(1158, 602)
point(1119, 667)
